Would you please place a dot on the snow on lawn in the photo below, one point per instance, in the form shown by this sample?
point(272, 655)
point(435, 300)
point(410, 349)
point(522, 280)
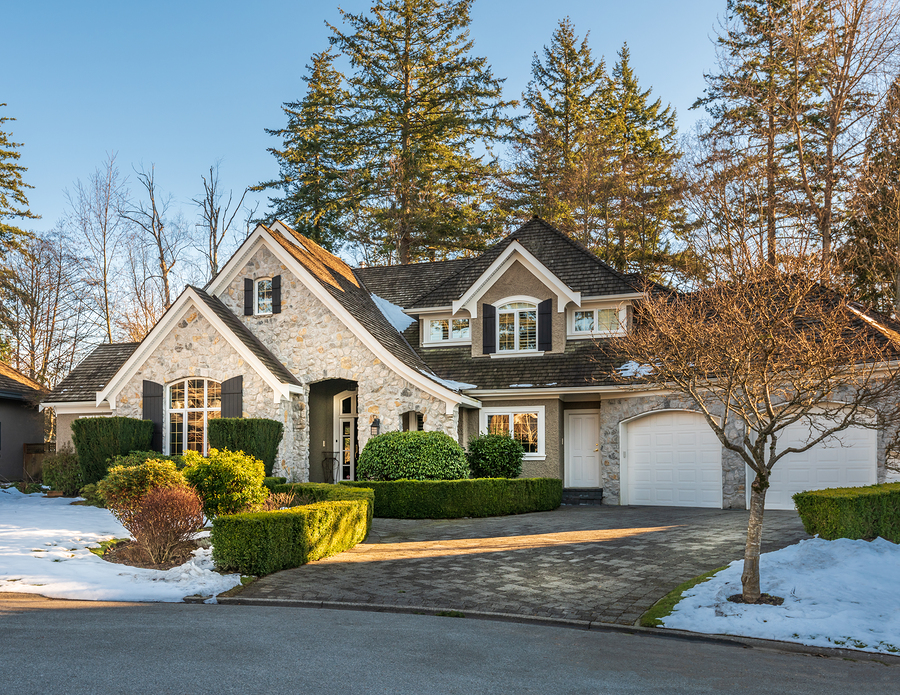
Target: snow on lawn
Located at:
point(44, 550)
point(838, 593)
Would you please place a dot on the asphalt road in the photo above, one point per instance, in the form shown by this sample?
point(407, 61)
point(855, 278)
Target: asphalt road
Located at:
point(52, 647)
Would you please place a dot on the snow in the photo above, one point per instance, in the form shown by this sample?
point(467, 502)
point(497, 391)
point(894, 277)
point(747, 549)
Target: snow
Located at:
point(521, 386)
point(44, 550)
point(839, 593)
point(393, 313)
point(449, 383)
point(632, 368)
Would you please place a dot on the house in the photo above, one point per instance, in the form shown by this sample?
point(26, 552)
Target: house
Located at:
point(505, 342)
point(20, 421)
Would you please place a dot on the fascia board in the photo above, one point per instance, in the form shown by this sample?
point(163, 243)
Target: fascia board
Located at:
point(74, 407)
point(238, 259)
point(605, 391)
point(613, 297)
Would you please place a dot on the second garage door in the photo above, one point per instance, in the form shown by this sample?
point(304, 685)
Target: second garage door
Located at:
point(673, 459)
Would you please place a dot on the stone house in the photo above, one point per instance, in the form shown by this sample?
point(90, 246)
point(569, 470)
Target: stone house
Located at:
point(507, 341)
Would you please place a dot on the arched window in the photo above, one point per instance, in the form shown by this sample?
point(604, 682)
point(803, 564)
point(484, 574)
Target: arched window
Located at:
point(191, 404)
point(517, 327)
point(263, 296)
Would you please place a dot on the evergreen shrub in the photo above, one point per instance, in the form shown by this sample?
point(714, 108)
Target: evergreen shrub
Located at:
point(852, 512)
point(271, 482)
point(495, 456)
point(228, 481)
point(92, 496)
point(99, 439)
point(412, 456)
point(62, 472)
point(134, 458)
point(257, 437)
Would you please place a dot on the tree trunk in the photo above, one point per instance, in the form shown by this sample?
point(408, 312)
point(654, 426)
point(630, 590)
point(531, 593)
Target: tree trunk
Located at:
point(750, 577)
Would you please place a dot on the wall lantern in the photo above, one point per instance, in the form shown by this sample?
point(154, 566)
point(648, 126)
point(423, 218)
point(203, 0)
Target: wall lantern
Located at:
point(376, 427)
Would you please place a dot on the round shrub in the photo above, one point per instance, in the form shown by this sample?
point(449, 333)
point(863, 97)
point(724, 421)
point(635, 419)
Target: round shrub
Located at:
point(228, 481)
point(412, 456)
point(165, 520)
point(124, 487)
point(495, 456)
point(62, 472)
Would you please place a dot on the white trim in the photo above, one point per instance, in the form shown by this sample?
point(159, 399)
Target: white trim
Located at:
point(75, 407)
point(572, 334)
point(168, 410)
point(515, 353)
point(613, 297)
point(256, 311)
point(512, 253)
point(337, 416)
point(540, 454)
point(566, 414)
point(447, 316)
point(516, 299)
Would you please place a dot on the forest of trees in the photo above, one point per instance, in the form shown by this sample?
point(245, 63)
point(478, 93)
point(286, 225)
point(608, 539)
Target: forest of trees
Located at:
point(405, 148)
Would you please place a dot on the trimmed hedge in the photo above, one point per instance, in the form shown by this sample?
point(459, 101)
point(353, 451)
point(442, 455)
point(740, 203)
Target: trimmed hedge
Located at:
point(495, 456)
point(852, 512)
point(99, 439)
point(412, 456)
point(258, 437)
point(453, 499)
point(271, 482)
point(264, 542)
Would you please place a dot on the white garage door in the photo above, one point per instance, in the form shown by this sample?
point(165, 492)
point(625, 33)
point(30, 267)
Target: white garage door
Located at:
point(673, 459)
point(828, 464)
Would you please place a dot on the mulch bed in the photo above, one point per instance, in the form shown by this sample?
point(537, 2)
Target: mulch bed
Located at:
point(131, 554)
point(763, 599)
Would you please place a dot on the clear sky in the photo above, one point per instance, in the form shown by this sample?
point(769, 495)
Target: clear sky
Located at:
point(182, 84)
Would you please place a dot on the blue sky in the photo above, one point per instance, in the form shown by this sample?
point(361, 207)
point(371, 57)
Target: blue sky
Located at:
point(184, 84)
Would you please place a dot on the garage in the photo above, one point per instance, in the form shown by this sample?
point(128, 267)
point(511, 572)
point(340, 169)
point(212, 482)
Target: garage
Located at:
point(672, 458)
point(848, 459)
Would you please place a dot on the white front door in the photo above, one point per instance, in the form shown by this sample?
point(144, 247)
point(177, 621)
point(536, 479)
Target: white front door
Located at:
point(345, 435)
point(582, 446)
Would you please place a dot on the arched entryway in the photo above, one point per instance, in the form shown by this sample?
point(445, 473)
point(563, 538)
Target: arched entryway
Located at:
point(332, 430)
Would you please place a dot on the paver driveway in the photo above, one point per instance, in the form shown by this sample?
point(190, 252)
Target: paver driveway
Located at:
point(606, 564)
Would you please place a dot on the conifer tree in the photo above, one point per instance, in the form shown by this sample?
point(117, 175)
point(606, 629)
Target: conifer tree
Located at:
point(13, 201)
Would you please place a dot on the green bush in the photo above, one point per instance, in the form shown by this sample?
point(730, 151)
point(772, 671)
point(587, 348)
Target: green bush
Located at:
point(495, 456)
point(134, 458)
point(271, 482)
point(453, 499)
point(257, 437)
point(412, 456)
point(98, 439)
point(91, 495)
point(852, 512)
point(62, 472)
point(124, 487)
point(265, 542)
point(228, 481)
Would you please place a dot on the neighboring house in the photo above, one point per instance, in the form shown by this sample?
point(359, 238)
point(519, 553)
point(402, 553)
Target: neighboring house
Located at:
point(509, 341)
point(20, 421)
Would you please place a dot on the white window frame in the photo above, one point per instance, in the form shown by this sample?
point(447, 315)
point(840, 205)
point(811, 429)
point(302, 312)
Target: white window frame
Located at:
point(540, 454)
point(256, 311)
point(426, 330)
point(167, 411)
point(511, 300)
point(622, 309)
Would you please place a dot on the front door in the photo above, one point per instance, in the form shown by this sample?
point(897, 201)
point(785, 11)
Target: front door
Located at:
point(345, 436)
point(582, 445)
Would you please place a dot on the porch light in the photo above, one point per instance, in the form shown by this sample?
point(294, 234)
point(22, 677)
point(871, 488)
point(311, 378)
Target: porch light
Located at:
point(376, 427)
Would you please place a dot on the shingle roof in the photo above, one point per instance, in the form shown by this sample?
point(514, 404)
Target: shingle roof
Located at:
point(92, 374)
point(571, 262)
point(272, 363)
point(15, 385)
point(404, 284)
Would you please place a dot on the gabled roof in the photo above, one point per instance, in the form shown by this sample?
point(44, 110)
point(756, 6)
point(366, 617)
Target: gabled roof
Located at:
point(571, 262)
point(17, 386)
point(92, 374)
point(404, 284)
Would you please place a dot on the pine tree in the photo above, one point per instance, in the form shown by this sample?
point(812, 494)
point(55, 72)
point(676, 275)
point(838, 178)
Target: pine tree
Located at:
point(314, 157)
point(421, 108)
point(13, 201)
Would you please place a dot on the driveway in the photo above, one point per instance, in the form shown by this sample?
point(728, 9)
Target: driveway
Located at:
point(600, 564)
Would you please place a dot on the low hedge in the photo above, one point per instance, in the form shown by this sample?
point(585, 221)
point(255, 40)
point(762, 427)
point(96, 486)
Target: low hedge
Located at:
point(260, 543)
point(271, 482)
point(852, 512)
point(453, 499)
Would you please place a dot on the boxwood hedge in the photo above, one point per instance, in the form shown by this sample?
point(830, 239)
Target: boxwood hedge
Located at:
point(452, 499)
point(412, 456)
point(852, 512)
point(264, 542)
point(258, 437)
point(99, 439)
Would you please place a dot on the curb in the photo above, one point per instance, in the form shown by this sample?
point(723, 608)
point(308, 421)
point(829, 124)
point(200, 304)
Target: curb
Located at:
point(684, 635)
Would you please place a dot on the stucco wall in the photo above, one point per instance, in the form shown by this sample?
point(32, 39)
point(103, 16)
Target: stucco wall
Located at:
point(19, 424)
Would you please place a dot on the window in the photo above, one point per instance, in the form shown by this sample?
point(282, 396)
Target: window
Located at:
point(526, 425)
point(517, 327)
point(588, 322)
point(447, 329)
point(192, 403)
point(264, 296)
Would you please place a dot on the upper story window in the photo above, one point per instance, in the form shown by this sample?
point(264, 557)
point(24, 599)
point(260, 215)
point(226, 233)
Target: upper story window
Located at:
point(263, 296)
point(192, 403)
point(517, 327)
point(587, 322)
point(447, 330)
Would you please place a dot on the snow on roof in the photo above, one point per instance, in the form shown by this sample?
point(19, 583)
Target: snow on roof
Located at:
point(393, 313)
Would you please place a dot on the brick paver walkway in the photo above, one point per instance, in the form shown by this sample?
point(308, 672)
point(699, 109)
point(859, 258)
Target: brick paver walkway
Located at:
point(606, 564)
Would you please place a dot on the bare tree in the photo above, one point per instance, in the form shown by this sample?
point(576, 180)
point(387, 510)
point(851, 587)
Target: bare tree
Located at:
point(215, 221)
point(756, 356)
point(143, 306)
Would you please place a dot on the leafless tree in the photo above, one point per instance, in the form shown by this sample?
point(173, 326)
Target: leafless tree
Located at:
point(142, 307)
point(215, 221)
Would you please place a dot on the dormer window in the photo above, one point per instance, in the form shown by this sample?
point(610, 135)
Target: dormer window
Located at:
point(263, 296)
point(445, 329)
point(597, 321)
point(517, 327)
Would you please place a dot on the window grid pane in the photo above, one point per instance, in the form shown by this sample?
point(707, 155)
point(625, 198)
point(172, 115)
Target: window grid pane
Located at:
point(439, 329)
point(608, 319)
point(460, 329)
point(176, 396)
point(584, 321)
point(525, 430)
point(195, 431)
point(213, 394)
point(527, 330)
point(264, 297)
point(498, 424)
point(191, 404)
point(176, 433)
point(196, 397)
point(507, 332)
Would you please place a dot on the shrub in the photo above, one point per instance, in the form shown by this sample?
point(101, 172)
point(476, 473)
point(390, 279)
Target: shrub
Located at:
point(228, 481)
point(91, 495)
point(272, 482)
point(453, 499)
point(281, 500)
point(852, 512)
point(62, 472)
point(257, 437)
point(125, 486)
point(495, 456)
point(265, 542)
point(165, 519)
point(98, 439)
point(412, 456)
point(134, 458)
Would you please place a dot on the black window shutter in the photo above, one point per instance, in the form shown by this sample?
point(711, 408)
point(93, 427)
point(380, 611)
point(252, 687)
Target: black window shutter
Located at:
point(248, 297)
point(276, 294)
point(233, 397)
point(489, 328)
point(153, 410)
point(545, 325)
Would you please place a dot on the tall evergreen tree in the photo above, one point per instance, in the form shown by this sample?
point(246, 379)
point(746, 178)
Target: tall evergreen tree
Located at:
point(421, 110)
point(314, 157)
point(13, 201)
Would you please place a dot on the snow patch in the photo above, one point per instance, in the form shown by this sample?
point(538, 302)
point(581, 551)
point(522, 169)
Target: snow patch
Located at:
point(393, 313)
point(520, 386)
point(449, 383)
point(632, 368)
